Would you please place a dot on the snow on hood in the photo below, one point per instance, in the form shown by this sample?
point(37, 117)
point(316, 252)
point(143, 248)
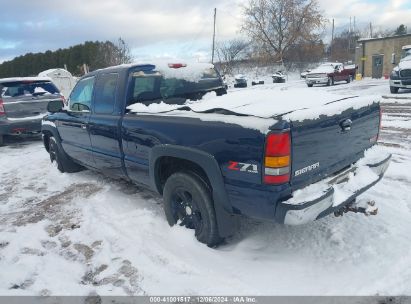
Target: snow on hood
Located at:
point(262, 106)
point(324, 68)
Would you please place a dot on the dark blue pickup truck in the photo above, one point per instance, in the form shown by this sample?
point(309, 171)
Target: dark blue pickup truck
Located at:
point(214, 156)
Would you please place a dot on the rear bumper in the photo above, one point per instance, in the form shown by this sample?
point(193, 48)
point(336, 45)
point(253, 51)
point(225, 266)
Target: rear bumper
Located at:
point(16, 127)
point(338, 191)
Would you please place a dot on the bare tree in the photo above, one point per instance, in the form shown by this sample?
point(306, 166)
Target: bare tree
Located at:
point(228, 52)
point(123, 52)
point(277, 25)
point(110, 54)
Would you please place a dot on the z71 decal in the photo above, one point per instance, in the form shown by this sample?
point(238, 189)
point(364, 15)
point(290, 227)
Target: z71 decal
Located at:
point(243, 167)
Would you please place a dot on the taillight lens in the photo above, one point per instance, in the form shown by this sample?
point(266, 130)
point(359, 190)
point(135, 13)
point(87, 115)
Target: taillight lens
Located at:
point(2, 110)
point(277, 158)
point(63, 99)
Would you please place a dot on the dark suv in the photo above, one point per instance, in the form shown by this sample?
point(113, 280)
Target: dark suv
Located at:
point(23, 103)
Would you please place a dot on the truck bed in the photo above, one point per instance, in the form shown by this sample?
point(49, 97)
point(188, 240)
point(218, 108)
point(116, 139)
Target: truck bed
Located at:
point(321, 146)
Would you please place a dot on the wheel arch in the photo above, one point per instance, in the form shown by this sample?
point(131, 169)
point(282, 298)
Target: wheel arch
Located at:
point(48, 131)
point(204, 165)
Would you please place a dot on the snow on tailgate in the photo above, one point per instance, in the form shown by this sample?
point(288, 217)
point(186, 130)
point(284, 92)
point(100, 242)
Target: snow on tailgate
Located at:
point(264, 104)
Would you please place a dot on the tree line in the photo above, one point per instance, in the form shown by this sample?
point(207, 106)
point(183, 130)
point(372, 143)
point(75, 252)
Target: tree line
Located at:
point(94, 54)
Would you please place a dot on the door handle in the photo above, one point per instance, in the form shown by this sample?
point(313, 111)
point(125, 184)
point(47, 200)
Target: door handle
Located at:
point(84, 127)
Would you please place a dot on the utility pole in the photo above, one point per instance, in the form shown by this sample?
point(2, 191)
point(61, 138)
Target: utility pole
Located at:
point(354, 24)
point(332, 40)
point(215, 18)
point(349, 36)
point(370, 30)
point(350, 26)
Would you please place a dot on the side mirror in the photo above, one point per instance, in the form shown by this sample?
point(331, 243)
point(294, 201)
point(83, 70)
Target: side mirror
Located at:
point(55, 106)
point(393, 58)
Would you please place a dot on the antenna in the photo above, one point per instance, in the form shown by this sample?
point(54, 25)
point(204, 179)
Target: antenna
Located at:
point(332, 40)
point(215, 17)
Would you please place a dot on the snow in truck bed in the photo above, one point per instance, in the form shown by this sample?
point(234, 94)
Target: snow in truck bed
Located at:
point(263, 106)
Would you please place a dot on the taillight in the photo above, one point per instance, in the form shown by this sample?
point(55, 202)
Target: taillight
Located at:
point(277, 158)
point(380, 125)
point(63, 99)
point(2, 110)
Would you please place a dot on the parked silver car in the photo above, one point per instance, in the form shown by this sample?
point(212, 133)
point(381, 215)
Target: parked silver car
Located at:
point(23, 103)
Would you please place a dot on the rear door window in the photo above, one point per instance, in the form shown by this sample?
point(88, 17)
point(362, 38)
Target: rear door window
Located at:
point(82, 94)
point(105, 97)
point(28, 88)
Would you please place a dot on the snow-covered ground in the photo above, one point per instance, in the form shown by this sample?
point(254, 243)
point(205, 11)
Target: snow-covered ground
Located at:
point(83, 233)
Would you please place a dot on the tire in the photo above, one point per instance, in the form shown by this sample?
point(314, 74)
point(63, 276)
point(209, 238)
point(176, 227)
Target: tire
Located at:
point(1, 140)
point(394, 90)
point(187, 201)
point(349, 79)
point(62, 161)
point(310, 85)
point(329, 82)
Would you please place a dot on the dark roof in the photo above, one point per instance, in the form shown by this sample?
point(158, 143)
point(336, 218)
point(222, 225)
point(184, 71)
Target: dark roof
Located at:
point(384, 38)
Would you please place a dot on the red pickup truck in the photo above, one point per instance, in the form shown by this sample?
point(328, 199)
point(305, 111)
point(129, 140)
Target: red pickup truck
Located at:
point(330, 72)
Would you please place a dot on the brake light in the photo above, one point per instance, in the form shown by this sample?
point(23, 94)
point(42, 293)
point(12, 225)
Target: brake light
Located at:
point(2, 110)
point(177, 65)
point(63, 99)
point(277, 158)
point(380, 125)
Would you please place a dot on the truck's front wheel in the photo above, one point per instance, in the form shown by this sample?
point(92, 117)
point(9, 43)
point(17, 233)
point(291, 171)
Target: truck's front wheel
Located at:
point(394, 90)
point(60, 159)
point(188, 202)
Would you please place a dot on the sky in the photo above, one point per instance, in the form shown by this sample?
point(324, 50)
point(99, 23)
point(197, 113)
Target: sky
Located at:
point(159, 28)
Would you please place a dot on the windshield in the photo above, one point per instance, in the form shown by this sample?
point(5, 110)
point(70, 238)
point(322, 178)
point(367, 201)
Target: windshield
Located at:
point(153, 87)
point(406, 53)
point(32, 88)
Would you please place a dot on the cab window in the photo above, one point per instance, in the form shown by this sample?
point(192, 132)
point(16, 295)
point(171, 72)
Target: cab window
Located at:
point(105, 97)
point(80, 97)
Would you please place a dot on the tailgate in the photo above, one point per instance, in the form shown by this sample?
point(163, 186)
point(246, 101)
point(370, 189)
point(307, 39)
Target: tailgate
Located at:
point(324, 146)
point(26, 107)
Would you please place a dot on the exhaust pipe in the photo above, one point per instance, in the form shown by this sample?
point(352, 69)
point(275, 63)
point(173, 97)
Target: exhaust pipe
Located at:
point(366, 207)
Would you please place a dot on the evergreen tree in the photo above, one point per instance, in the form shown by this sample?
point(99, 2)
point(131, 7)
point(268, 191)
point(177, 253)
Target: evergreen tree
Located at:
point(95, 55)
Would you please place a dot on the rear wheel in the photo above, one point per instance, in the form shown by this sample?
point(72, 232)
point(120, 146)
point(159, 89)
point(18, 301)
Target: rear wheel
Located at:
point(60, 159)
point(349, 79)
point(188, 202)
point(310, 85)
point(1, 140)
point(394, 90)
